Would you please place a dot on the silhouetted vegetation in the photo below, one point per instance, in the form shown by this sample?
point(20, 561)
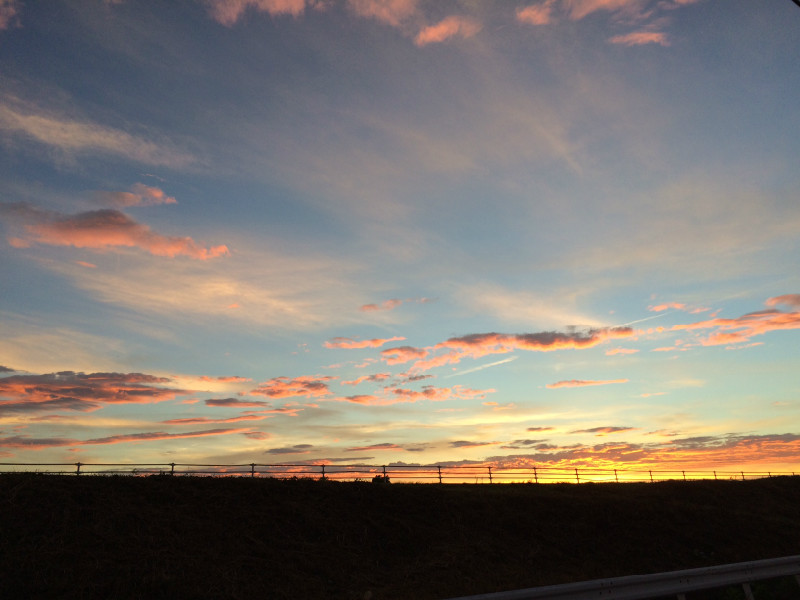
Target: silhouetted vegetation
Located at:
point(202, 537)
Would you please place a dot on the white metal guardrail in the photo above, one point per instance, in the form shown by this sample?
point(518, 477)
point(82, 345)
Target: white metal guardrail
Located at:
point(659, 585)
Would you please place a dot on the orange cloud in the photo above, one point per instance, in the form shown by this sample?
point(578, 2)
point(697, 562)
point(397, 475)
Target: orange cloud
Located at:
point(615, 351)
point(68, 390)
point(402, 354)
point(227, 12)
point(600, 431)
point(639, 38)
point(578, 9)
point(536, 14)
point(342, 342)
point(225, 379)
point(741, 329)
point(28, 443)
point(667, 306)
point(376, 377)
point(792, 300)
point(106, 229)
point(385, 305)
point(284, 387)
point(582, 383)
point(140, 195)
point(447, 28)
point(391, 12)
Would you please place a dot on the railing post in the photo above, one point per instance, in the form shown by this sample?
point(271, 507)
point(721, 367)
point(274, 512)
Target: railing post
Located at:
point(439, 467)
point(252, 469)
point(742, 475)
point(490, 474)
point(172, 468)
point(323, 471)
point(651, 476)
point(78, 470)
point(577, 477)
point(715, 475)
point(384, 471)
point(535, 475)
point(684, 475)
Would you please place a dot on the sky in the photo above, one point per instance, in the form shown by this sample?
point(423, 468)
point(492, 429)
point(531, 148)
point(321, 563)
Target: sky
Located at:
point(553, 233)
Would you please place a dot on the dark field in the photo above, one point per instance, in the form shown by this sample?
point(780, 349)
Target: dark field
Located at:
point(192, 537)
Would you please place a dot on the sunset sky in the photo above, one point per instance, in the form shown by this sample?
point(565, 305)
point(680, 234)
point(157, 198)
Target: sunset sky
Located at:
point(552, 232)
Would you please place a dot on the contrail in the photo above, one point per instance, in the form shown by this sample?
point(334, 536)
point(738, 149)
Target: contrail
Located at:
point(646, 318)
point(494, 364)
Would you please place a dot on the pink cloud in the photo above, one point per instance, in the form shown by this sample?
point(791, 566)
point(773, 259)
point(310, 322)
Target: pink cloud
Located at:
point(667, 306)
point(342, 342)
point(741, 329)
point(106, 229)
point(140, 195)
point(8, 10)
point(600, 431)
point(791, 300)
point(228, 12)
point(582, 383)
point(578, 9)
point(639, 38)
point(385, 305)
point(614, 351)
point(375, 378)
point(536, 14)
point(391, 12)
point(402, 354)
point(447, 28)
point(284, 387)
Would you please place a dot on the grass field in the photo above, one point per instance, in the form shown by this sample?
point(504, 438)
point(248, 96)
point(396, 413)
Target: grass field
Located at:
point(202, 537)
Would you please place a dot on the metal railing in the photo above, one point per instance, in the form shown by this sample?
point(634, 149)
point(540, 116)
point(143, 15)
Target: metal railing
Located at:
point(659, 585)
point(406, 473)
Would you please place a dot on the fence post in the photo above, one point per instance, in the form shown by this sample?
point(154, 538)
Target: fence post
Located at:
point(384, 471)
point(577, 477)
point(684, 475)
point(172, 468)
point(78, 470)
point(651, 476)
point(252, 469)
point(323, 471)
point(742, 475)
point(616, 476)
point(439, 467)
point(490, 474)
point(715, 475)
point(535, 475)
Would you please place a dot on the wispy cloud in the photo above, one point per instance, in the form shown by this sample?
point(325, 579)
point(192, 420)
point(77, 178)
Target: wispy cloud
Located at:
point(140, 195)
point(343, 342)
point(570, 383)
point(536, 14)
point(71, 136)
point(391, 12)
point(446, 29)
point(600, 431)
point(228, 12)
point(9, 9)
point(285, 387)
point(377, 377)
point(105, 229)
point(29, 443)
point(640, 38)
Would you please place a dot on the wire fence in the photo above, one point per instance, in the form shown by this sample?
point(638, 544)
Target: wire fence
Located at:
point(387, 473)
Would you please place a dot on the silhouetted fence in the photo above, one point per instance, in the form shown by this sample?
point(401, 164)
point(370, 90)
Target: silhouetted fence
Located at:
point(386, 473)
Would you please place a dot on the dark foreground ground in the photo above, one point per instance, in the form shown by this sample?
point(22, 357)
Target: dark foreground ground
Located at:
point(190, 537)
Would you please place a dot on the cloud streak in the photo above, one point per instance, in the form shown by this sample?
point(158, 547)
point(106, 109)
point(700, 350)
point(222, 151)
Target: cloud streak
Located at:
point(571, 383)
point(103, 230)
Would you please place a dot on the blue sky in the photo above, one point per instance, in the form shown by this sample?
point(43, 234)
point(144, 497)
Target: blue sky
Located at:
point(561, 233)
